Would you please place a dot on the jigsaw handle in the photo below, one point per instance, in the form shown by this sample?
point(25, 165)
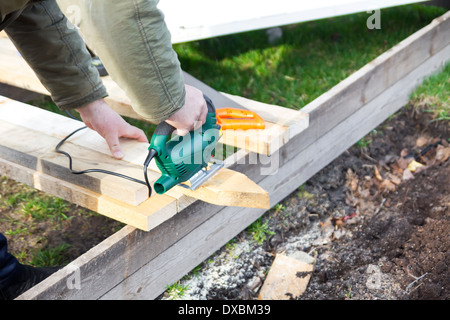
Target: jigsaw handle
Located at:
point(165, 129)
point(161, 146)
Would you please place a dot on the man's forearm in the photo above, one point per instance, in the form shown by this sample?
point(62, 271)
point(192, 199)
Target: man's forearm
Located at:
point(134, 44)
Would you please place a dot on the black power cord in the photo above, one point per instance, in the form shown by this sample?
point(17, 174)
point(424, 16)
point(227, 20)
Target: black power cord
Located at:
point(147, 161)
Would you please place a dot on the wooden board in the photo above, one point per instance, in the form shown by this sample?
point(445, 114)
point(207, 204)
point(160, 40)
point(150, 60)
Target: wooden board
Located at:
point(145, 216)
point(28, 136)
point(16, 72)
point(166, 253)
point(200, 19)
point(281, 123)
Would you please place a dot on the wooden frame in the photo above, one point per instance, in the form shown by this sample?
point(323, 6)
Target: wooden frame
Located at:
point(133, 264)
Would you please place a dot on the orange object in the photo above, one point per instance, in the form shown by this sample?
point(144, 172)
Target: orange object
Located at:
point(233, 118)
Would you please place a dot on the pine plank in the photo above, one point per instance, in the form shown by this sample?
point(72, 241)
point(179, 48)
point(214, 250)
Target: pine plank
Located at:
point(40, 130)
point(145, 216)
point(35, 150)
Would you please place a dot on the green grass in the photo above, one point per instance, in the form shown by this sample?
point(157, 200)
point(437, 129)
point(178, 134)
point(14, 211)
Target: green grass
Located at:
point(36, 206)
point(311, 58)
point(17, 198)
point(176, 290)
point(259, 231)
point(434, 95)
point(13, 232)
point(51, 257)
point(42, 208)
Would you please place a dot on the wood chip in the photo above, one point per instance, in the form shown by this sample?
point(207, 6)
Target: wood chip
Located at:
point(414, 165)
point(422, 141)
point(388, 185)
point(377, 174)
point(407, 175)
point(442, 153)
point(287, 278)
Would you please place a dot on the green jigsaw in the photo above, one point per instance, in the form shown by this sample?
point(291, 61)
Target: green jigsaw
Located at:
point(184, 160)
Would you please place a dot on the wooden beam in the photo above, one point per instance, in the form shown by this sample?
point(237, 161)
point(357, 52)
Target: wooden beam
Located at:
point(146, 216)
point(231, 188)
point(35, 150)
point(186, 24)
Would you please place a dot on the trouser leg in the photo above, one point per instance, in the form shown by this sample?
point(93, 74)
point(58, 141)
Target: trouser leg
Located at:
point(8, 263)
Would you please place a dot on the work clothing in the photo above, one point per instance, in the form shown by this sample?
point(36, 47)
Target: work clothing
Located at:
point(130, 37)
point(16, 278)
point(132, 41)
point(9, 266)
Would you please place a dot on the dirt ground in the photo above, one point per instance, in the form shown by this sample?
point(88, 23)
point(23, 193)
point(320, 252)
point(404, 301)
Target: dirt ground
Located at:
point(396, 244)
point(376, 229)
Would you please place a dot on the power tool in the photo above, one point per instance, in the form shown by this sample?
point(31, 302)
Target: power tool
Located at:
point(184, 160)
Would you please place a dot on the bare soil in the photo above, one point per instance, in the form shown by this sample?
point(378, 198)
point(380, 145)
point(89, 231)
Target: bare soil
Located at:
point(375, 229)
point(397, 244)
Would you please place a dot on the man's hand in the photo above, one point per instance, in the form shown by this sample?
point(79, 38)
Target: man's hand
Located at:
point(192, 115)
point(110, 125)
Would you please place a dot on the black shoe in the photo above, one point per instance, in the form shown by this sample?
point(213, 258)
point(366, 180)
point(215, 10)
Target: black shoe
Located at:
point(26, 278)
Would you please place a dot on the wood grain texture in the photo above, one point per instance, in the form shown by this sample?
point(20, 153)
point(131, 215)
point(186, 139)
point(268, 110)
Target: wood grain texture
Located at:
point(231, 188)
point(145, 216)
